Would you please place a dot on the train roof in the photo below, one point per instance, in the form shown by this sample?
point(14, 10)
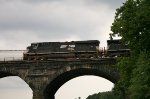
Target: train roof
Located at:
point(77, 42)
point(117, 41)
point(88, 41)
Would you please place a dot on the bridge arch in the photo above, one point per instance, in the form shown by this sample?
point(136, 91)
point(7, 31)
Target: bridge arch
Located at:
point(56, 83)
point(12, 73)
point(14, 86)
point(9, 73)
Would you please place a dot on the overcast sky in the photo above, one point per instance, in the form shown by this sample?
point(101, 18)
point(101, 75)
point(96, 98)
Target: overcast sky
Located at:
point(25, 21)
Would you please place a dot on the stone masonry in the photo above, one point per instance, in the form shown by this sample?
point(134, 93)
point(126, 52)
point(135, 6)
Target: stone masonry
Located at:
point(46, 77)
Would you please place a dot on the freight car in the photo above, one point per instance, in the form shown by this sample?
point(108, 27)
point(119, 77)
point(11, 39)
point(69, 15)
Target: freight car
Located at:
point(115, 48)
point(62, 50)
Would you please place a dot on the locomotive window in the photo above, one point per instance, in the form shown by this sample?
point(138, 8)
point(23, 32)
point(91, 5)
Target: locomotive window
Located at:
point(34, 46)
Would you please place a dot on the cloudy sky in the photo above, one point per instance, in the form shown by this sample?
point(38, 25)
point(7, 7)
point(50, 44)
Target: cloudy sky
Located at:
point(26, 21)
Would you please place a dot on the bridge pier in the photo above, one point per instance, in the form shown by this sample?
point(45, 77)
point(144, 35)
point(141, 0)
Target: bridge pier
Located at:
point(38, 95)
point(50, 97)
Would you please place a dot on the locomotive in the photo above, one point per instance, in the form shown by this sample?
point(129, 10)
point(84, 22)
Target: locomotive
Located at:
point(75, 50)
point(115, 48)
point(62, 50)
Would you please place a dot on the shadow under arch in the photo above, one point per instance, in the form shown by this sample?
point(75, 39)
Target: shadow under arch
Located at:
point(6, 74)
point(51, 89)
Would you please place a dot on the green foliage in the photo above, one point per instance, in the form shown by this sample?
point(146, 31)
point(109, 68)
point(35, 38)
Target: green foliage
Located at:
point(103, 95)
point(125, 66)
point(132, 23)
point(134, 80)
point(140, 82)
point(124, 22)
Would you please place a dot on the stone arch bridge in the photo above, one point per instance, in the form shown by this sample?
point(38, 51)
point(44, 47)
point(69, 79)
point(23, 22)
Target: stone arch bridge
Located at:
point(46, 77)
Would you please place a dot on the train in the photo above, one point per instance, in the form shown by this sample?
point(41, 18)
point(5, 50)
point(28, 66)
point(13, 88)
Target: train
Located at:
point(115, 48)
point(74, 50)
point(62, 50)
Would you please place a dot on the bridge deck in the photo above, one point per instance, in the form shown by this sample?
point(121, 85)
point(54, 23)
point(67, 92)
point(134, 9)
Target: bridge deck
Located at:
point(58, 60)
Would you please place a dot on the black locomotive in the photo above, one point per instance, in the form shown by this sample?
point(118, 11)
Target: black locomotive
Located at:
point(75, 50)
point(62, 50)
point(115, 48)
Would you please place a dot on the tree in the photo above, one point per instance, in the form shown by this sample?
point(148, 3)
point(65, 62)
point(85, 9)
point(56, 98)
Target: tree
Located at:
point(140, 82)
point(103, 95)
point(132, 23)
